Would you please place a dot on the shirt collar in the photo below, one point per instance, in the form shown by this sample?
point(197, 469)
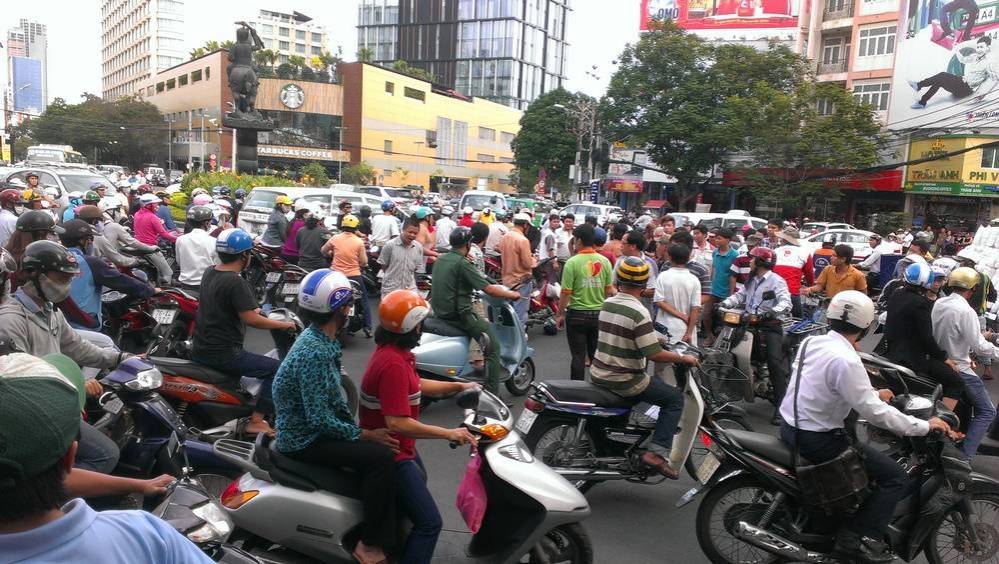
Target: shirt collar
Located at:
point(30, 304)
point(77, 518)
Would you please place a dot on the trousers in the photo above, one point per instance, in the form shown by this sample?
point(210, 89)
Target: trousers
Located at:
point(670, 402)
point(95, 451)
point(364, 305)
point(251, 365)
point(985, 413)
point(949, 82)
point(476, 326)
point(100, 340)
point(581, 330)
point(773, 338)
point(163, 270)
point(417, 503)
point(947, 11)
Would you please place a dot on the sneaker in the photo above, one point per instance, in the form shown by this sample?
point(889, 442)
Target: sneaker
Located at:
point(851, 547)
point(661, 465)
point(913, 84)
point(918, 106)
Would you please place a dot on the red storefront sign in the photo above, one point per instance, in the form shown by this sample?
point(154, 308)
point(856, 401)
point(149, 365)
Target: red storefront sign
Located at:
point(883, 181)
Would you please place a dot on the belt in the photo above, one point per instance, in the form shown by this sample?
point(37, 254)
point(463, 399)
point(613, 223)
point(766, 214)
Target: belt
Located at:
point(584, 312)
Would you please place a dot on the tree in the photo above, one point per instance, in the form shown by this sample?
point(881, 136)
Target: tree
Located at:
point(286, 70)
point(361, 173)
point(265, 57)
point(198, 52)
point(403, 174)
point(314, 174)
point(402, 67)
point(365, 55)
point(547, 140)
point(680, 97)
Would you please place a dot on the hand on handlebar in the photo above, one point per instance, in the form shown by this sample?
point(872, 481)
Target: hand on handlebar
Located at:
point(690, 360)
point(886, 395)
point(941, 426)
point(460, 436)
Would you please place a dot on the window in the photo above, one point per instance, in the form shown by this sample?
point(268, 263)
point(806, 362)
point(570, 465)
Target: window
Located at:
point(159, 87)
point(283, 31)
point(317, 38)
point(873, 94)
point(196, 76)
point(414, 94)
point(485, 157)
point(487, 134)
point(299, 34)
point(283, 45)
point(388, 146)
point(506, 159)
point(267, 29)
point(990, 157)
point(300, 48)
point(171, 83)
point(316, 50)
point(390, 88)
point(826, 107)
point(182, 80)
point(877, 41)
point(506, 137)
point(208, 72)
point(833, 51)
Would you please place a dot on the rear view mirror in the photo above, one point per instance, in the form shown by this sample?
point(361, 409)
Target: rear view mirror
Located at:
point(469, 399)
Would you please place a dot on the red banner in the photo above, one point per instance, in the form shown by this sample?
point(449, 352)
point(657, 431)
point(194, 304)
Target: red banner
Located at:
point(720, 14)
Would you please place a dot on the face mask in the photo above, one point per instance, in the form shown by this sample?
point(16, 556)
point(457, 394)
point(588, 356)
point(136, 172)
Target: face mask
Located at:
point(55, 292)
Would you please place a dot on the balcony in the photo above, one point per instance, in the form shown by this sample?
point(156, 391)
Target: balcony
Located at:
point(837, 11)
point(832, 67)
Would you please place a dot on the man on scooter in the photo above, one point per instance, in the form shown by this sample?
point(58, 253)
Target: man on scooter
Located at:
point(454, 280)
point(766, 295)
point(829, 381)
point(625, 344)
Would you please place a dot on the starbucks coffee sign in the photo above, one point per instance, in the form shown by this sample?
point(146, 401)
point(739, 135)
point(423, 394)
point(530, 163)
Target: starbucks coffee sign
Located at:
point(292, 96)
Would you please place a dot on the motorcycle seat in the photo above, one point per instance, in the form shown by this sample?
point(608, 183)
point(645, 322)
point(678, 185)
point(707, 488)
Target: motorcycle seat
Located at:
point(584, 392)
point(767, 446)
point(190, 369)
point(293, 473)
point(138, 252)
point(437, 326)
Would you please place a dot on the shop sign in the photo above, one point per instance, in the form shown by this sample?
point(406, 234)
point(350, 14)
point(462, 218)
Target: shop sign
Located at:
point(310, 153)
point(953, 189)
point(631, 185)
point(292, 96)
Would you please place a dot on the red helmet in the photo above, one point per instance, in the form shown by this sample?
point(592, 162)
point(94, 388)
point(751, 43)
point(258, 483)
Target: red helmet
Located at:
point(766, 256)
point(10, 197)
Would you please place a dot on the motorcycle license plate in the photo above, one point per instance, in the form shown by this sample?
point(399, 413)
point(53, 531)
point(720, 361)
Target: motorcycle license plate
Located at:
point(273, 277)
point(708, 467)
point(526, 421)
point(290, 288)
point(164, 316)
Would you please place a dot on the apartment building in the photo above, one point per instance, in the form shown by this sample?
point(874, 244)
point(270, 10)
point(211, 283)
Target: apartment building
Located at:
point(138, 39)
point(290, 34)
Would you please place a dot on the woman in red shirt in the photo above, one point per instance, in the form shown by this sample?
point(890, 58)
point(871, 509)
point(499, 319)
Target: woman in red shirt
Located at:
point(390, 398)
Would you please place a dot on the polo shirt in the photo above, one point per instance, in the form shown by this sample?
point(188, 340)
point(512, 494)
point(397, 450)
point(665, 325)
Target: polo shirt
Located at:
point(721, 268)
point(585, 278)
point(626, 339)
point(453, 280)
point(399, 264)
point(835, 283)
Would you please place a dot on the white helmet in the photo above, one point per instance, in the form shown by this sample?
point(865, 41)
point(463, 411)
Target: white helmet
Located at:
point(447, 211)
point(943, 266)
point(198, 191)
point(202, 199)
point(853, 307)
point(108, 204)
point(219, 211)
point(52, 191)
point(325, 290)
point(302, 204)
point(467, 210)
point(147, 199)
point(223, 203)
point(968, 253)
point(487, 210)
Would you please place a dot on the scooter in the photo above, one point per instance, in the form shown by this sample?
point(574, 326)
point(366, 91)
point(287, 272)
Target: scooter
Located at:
point(283, 505)
point(544, 300)
point(173, 313)
point(590, 435)
point(443, 352)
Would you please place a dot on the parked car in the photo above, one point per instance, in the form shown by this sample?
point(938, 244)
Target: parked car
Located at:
point(820, 226)
point(856, 238)
point(397, 195)
point(65, 178)
point(731, 220)
point(604, 213)
point(481, 199)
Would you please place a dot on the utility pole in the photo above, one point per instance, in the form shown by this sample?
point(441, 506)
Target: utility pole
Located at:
point(169, 145)
point(202, 133)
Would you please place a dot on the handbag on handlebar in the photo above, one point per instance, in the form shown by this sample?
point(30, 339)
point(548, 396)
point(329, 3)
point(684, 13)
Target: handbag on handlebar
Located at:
point(836, 486)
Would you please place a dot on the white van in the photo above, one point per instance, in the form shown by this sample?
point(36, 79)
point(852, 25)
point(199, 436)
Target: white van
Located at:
point(733, 221)
point(481, 199)
point(259, 204)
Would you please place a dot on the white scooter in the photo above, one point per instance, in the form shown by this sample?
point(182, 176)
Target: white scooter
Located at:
point(283, 505)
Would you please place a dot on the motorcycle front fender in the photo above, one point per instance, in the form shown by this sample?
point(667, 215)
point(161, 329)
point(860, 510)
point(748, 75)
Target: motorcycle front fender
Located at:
point(726, 471)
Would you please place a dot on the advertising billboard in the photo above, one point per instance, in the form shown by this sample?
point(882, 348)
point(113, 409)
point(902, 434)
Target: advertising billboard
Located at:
point(969, 174)
point(721, 14)
point(946, 65)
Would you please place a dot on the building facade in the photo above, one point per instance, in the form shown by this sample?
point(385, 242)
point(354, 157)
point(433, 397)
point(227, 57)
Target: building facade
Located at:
point(290, 34)
point(506, 51)
point(138, 39)
point(27, 68)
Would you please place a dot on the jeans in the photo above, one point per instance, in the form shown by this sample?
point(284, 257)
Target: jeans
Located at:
point(523, 305)
point(418, 505)
point(985, 413)
point(251, 365)
point(581, 330)
point(364, 305)
point(164, 272)
point(95, 451)
point(949, 82)
point(375, 465)
point(875, 513)
point(773, 338)
point(670, 402)
point(969, 6)
point(100, 340)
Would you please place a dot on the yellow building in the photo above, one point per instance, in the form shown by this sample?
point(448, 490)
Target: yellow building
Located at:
point(417, 135)
point(954, 190)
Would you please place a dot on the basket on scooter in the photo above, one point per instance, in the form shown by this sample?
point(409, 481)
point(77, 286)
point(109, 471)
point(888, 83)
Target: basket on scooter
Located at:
point(721, 377)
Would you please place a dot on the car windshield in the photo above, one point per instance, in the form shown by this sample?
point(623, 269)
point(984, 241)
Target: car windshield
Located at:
point(81, 182)
point(261, 198)
point(479, 201)
point(398, 193)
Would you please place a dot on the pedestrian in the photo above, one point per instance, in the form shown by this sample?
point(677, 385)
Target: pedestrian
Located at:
point(564, 238)
point(445, 225)
point(678, 298)
point(616, 241)
point(350, 257)
point(385, 227)
point(466, 217)
point(702, 250)
point(517, 264)
point(722, 278)
point(633, 245)
point(497, 229)
point(772, 238)
point(400, 259)
point(794, 263)
point(586, 283)
point(839, 276)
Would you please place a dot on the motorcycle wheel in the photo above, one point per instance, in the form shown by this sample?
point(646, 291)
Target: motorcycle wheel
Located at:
point(565, 543)
point(950, 543)
point(550, 328)
point(700, 448)
point(548, 440)
point(743, 498)
point(520, 382)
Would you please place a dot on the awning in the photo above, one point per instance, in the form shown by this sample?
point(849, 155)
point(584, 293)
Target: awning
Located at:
point(656, 204)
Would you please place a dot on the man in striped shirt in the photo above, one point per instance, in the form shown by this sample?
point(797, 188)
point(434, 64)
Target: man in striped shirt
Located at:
point(625, 343)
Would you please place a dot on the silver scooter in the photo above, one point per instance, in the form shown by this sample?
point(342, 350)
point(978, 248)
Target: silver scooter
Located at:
point(282, 505)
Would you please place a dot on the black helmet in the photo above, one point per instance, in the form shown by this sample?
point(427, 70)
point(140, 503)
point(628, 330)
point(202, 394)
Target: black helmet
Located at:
point(365, 211)
point(37, 220)
point(199, 214)
point(76, 229)
point(460, 237)
point(47, 256)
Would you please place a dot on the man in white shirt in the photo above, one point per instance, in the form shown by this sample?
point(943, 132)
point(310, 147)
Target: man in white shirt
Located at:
point(872, 264)
point(678, 298)
point(547, 247)
point(497, 229)
point(9, 200)
point(444, 226)
point(195, 248)
point(386, 226)
point(957, 330)
point(829, 381)
point(563, 238)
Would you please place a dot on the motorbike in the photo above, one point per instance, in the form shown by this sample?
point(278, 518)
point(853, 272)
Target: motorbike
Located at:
point(590, 435)
point(264, 273)
point(494, 265)
point(284, 291)
point(443, 352)
point(174, 312)
point(754, 509)
point(283, 505)
point(372, 272)
point(544, 299)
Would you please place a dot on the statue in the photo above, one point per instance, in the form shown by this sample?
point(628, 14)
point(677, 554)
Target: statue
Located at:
point(244, 118)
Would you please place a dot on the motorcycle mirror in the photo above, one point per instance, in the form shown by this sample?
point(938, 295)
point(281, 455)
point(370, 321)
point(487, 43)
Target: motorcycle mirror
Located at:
point(937, 394)
point(468, 399)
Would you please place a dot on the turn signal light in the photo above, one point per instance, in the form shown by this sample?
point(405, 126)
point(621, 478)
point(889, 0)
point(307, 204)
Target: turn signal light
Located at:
point(234, 498)
point(534, 405)
point(494, 431)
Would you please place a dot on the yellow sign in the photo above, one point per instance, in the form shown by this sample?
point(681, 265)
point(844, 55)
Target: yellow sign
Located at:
point(949, 174)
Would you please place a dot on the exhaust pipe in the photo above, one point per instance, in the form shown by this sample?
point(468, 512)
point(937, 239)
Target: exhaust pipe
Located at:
point(586, 474)
point(778, 545)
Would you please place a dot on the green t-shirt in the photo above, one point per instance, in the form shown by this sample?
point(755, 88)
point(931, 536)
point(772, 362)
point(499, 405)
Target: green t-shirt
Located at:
point(453, 280)
point(585, 276)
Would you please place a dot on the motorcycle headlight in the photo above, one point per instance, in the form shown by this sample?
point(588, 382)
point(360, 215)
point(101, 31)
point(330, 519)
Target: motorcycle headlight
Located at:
point(146, 380)
point(217, 524)
point(732, 317)
point(517, 451)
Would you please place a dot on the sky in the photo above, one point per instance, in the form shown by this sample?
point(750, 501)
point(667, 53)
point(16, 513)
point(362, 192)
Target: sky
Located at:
point(596, 35)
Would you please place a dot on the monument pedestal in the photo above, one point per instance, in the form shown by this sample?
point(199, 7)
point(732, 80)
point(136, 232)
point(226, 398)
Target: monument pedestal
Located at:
point(246, 140)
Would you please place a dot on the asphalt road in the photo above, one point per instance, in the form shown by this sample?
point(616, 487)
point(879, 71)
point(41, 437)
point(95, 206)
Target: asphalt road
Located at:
point(630, 523)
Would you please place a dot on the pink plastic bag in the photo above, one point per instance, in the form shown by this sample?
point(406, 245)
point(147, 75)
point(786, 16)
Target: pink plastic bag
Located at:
point(471, 501)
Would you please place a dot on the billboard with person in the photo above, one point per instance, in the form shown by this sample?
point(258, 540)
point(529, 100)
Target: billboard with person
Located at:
point(721, 14)
point(946, 68)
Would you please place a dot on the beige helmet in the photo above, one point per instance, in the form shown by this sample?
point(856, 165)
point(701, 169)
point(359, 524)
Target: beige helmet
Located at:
point(963, 277)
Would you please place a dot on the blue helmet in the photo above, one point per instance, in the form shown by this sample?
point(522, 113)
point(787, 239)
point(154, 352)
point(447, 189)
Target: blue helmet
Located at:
point(388, 205)
point(600, 236)
point(233, 241)
point(919, 274)
point(422, 212)
point(325, 290)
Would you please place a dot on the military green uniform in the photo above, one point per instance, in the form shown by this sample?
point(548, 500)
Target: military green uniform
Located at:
point(454, 280)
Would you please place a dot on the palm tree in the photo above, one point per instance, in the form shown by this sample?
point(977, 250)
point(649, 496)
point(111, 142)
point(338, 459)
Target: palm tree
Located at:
point(264, 57)
point(211, 46)
point(297, 61)
point(227, 44)
point(198, 52)
point(365, 55)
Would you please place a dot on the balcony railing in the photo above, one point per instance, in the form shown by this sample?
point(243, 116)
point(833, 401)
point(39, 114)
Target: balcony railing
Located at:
point(833, 67)
point(836, 11)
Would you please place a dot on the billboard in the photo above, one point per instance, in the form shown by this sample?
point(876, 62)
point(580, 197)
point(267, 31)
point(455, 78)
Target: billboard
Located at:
point(968, 174)
point(721, 14)
point(946, 66)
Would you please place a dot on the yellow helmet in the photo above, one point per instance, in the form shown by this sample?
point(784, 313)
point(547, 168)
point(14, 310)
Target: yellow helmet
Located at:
point(633, 271)
point(282, 199)
point(350, 221)
point(963, 277)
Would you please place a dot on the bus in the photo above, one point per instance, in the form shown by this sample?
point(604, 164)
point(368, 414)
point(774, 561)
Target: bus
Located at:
point(55, 154)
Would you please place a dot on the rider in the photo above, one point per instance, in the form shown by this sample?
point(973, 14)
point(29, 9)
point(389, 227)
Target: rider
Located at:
point(102, 247)
point(364, 229)
point(625, 344)
point(385, 227)
point(277, 224)
point(196, 248)
point(10, 200)
point(149, 229)
point(310, 240)
point(289, 251)
point(956, 328)
point(163, 211)
point(839, 276)
point(872, 264)
point(350, 257)
point(830, 380)
point(766, 295)
point(95, 274)
point(390, 397)
point(909, 333)
point(445, 225)
point(314, 421)
point(454, 280)
point(227, 306)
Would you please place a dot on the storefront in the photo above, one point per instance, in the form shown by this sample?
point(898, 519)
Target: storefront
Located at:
point(956, 191)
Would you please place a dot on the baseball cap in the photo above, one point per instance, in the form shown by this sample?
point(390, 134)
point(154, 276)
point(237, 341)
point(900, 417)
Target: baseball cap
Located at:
point(40, 418)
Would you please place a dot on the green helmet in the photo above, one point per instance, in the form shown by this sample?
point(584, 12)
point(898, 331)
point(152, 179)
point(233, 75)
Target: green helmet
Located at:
point(91, 196)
